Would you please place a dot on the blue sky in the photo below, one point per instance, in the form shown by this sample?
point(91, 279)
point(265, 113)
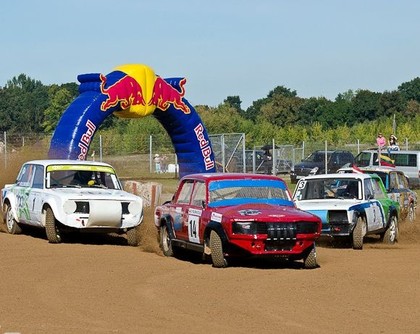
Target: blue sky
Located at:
point(223, 47)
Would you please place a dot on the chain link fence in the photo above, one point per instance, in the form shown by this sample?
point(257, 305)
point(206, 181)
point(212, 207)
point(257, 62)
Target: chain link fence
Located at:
point(135, 159)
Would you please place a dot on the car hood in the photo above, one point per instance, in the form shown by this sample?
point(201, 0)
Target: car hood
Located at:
point(326, 204)
point(309, 164)
point(265, 212)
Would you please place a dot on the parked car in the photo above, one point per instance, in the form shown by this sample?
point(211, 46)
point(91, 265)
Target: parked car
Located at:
point(396, 185)
point(351, 206)
point(225, 216)
point(315, 163)
point(405, 161)
point(71, 195)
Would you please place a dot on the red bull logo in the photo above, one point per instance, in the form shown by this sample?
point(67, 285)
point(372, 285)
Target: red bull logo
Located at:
point(126, 91)
point(204, 146)
point(164, 95)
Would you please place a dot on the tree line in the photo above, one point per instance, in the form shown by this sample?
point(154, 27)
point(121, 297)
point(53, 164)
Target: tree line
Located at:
point(28, 106)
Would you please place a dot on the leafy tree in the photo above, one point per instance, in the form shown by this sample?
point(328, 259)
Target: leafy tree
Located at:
point(365, 106)
point(410, 90)
point(60, 99)
point(391, 103)
point(282, 91)
point(27, 99)
point(281, 110)
point(234, 102)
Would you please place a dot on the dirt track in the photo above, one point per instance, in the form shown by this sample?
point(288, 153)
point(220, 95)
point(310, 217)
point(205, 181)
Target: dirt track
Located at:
point(99, 285)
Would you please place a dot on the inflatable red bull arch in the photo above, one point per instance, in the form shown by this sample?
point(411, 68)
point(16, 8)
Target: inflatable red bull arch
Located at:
point(133, 91)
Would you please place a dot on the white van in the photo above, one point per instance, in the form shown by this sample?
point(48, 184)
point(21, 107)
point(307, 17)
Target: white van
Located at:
point(406, 161)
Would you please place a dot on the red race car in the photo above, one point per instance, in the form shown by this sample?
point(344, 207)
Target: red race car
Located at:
point(229, 215)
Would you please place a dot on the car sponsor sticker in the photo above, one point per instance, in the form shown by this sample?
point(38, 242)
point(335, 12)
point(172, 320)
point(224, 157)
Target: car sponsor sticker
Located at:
point(249, 212)
point(194, 225)
point(217, 217)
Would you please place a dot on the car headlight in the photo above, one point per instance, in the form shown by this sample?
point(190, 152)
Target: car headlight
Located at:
point(244, 228)
point(135, 208)
point(69, 207)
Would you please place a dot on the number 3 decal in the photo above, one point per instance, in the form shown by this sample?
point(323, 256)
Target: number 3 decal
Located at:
point(193, 225)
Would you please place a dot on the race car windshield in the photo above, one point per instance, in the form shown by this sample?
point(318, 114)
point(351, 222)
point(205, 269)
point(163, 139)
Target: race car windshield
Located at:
point(328, 188)
point(80, 178)
point(234, 192)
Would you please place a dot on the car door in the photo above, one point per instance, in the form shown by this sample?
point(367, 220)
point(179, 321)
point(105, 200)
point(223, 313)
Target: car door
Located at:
point(22, 193)
point(374, 211)
point(392, 186)
point(179, 211)
point(36, 195)
point(194, 214)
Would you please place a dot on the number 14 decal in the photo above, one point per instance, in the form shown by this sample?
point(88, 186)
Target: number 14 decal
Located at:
point(193, 226)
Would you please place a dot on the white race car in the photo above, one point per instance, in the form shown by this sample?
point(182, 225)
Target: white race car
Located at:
point(71, 195)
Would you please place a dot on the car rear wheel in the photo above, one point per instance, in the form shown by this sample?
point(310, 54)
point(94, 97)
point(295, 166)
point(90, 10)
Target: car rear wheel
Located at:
point(51, 228)
point(12, 225)
point(358, 233)
point(411, 213)
point(309, 261)
point(391, 234)
point(217, 256)
point(165, 241)
point(133, 238)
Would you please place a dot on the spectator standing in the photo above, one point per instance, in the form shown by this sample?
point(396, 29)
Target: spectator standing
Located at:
point(380, 141)
point(268, 161)
point(392, 144)
point(157, 161)
point(164, 164)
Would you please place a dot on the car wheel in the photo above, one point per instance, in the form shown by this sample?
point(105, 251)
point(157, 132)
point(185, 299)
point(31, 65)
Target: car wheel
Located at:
point(12, 225)
point(309, 262)
point(391, 234)
point(217, 256)
point(165, 241)
point(133, 237)
point(358, 233)
point(411, 213)
point(51, 228)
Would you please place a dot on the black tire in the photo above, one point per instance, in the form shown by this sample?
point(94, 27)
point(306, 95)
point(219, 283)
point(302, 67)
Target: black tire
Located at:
point(411, 216)
point(309, 262)
point(133, 238)
point(217, 256)
point(51, 228)
point(358, 233)
point(391, 234)
point(165, 241)
point(12, 226)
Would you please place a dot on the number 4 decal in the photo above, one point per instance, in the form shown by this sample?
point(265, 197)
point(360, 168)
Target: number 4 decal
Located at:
point(193, 226)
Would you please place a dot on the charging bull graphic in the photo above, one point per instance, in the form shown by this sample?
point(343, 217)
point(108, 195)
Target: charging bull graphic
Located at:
point(125, 91)
point(133, 91)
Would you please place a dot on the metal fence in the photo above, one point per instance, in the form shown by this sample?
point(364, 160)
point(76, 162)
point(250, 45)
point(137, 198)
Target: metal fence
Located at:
point(230, 152)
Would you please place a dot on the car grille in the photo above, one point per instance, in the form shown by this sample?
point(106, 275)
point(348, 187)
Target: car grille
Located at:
point(282, 236)
point(281, 231)
point(83, 207)
point(337, 217)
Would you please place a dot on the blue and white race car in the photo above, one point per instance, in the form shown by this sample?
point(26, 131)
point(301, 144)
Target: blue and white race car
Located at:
point(350, 205)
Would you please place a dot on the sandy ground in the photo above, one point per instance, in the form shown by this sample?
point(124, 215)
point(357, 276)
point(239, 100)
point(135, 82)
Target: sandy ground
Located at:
point(96, 284)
